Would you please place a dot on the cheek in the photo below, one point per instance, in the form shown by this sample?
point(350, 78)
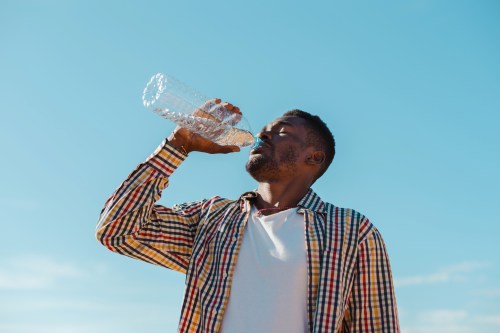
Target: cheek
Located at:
point(289, 155)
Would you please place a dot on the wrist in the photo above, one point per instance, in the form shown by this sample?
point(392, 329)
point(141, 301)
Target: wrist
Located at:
point(179, 143)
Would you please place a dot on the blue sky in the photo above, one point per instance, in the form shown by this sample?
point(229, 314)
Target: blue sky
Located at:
point(410, 89)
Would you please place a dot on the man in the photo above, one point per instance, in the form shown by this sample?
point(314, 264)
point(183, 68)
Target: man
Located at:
point(275, 260)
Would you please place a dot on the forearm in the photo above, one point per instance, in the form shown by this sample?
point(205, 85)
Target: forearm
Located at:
point(142, 187)
point(130, 223)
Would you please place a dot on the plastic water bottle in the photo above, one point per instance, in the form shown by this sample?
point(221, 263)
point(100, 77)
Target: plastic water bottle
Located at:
point(179, 103)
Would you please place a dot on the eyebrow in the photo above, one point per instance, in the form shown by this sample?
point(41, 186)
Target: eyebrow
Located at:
point(280, 122)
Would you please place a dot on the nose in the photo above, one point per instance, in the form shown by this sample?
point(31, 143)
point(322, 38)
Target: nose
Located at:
point(265, 138)
point(264, 135)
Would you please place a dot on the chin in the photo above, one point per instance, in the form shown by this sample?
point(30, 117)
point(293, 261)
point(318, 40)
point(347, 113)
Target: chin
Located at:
point(262, 169)
point(254, 167)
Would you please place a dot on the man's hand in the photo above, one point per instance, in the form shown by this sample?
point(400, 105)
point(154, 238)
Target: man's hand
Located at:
point(213, 109)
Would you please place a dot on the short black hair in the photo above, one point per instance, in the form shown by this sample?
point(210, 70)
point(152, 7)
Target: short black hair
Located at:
point(319, 136)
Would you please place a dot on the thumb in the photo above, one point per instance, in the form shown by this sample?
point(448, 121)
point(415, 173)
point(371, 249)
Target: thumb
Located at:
point(218, 149)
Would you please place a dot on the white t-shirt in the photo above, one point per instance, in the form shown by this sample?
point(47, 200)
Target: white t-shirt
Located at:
point(269, 287)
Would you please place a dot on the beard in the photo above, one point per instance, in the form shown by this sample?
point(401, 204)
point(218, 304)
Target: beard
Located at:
point(264, 168)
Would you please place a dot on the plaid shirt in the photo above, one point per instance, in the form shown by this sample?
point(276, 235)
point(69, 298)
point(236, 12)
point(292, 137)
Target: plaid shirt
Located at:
point(350, 286)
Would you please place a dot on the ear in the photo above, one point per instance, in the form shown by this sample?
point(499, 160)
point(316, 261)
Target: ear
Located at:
point(316, 157)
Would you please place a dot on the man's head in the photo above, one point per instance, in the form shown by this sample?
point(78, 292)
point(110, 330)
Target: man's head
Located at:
point(296, 144)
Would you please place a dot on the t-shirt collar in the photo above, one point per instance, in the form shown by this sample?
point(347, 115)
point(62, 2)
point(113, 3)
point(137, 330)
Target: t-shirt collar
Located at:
point(311, 201)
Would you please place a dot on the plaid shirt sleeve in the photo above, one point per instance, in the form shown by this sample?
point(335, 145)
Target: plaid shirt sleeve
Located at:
point(372, 303)
point(133, 225)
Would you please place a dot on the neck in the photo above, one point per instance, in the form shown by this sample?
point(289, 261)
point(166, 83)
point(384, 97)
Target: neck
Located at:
point(279, 195)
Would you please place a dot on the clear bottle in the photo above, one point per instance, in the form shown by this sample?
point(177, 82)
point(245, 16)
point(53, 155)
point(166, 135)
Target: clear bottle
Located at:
point(181, 104)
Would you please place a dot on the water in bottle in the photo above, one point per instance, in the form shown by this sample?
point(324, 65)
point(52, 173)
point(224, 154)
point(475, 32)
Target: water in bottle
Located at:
point(179, 103)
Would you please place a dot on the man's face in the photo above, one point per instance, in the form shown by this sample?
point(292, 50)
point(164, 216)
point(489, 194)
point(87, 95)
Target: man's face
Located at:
point(282, 154)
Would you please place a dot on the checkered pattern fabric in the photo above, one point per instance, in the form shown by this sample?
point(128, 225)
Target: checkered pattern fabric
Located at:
point(350, 287)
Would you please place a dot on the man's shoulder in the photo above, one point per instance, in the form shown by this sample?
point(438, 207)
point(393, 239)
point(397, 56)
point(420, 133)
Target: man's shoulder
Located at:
point(344, 211)
point(350, 220)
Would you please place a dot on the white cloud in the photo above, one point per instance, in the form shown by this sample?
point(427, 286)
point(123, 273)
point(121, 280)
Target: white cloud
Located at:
point(493, 320)
point(55, 328)
point(74, 314)
point(444, 316)
point(491, 292)
point(441, 328)
point(46, 303)
point(452, 321)
point(35, 272)
point(456, 272)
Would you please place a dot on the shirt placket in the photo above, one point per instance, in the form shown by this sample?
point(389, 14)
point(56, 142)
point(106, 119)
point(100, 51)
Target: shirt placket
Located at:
point(314, 239)
point(236, 239)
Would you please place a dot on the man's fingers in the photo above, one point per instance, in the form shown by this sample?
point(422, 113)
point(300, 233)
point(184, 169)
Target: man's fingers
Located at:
point(203, 114)
point(226, 113)
point(231, 107)
point(228, 106)
point(219, 111)
point(210, 104)
point(230, 149)
point(233, 119)
point(205, 110)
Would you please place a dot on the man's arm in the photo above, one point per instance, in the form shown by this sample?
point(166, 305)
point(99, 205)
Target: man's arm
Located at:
point(372, 304)
point(133, 225)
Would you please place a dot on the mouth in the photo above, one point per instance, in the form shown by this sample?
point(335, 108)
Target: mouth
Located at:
point(258, 142)
point(263, 146)
point(256, 151)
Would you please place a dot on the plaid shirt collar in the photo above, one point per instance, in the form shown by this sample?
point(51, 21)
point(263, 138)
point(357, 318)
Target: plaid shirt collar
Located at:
point(311, 202)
